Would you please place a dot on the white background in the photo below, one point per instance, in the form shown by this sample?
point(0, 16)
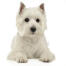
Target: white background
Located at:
point(55, 33)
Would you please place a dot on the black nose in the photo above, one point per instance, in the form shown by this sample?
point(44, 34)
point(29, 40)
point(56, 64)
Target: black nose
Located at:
point(33, 29)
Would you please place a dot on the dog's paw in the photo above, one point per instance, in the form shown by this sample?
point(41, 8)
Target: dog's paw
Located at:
point(18, 58)
point(21, 60)
point(47, 58)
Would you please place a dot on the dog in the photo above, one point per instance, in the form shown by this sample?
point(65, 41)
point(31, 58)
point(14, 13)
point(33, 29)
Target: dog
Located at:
point(30, 41)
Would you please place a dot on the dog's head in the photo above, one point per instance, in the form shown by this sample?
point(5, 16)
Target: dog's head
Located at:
point(31, 21)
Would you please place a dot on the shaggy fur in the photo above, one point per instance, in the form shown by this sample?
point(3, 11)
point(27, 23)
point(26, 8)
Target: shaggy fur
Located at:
point(27, 45)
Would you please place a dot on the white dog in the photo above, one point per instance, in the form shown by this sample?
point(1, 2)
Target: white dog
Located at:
point(30, 41)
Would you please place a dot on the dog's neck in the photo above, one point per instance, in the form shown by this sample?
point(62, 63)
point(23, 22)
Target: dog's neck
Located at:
point(31, 39)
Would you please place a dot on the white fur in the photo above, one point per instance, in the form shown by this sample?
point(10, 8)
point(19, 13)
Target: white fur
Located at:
point(25, 45)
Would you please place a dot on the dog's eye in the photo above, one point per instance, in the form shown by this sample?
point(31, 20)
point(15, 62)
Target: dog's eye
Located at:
point(38, 20)
point(26, 19)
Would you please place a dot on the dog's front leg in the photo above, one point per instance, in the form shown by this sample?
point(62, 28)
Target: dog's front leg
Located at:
point(17, 56)
point(46, 55)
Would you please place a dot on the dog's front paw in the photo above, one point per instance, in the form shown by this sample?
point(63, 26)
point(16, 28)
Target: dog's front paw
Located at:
point(21, 59)
point(18, 58)
point(47, 58)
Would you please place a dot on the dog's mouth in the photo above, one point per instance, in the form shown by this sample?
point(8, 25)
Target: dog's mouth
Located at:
point(32, 33)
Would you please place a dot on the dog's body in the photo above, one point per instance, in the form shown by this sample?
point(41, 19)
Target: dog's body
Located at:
point(30, 41)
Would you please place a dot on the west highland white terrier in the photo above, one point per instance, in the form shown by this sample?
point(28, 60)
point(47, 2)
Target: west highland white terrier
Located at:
point(30, 41)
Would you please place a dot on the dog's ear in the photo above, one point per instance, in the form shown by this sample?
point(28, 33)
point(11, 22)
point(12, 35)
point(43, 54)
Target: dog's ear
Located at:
point(22, 6)
point(42, 6)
